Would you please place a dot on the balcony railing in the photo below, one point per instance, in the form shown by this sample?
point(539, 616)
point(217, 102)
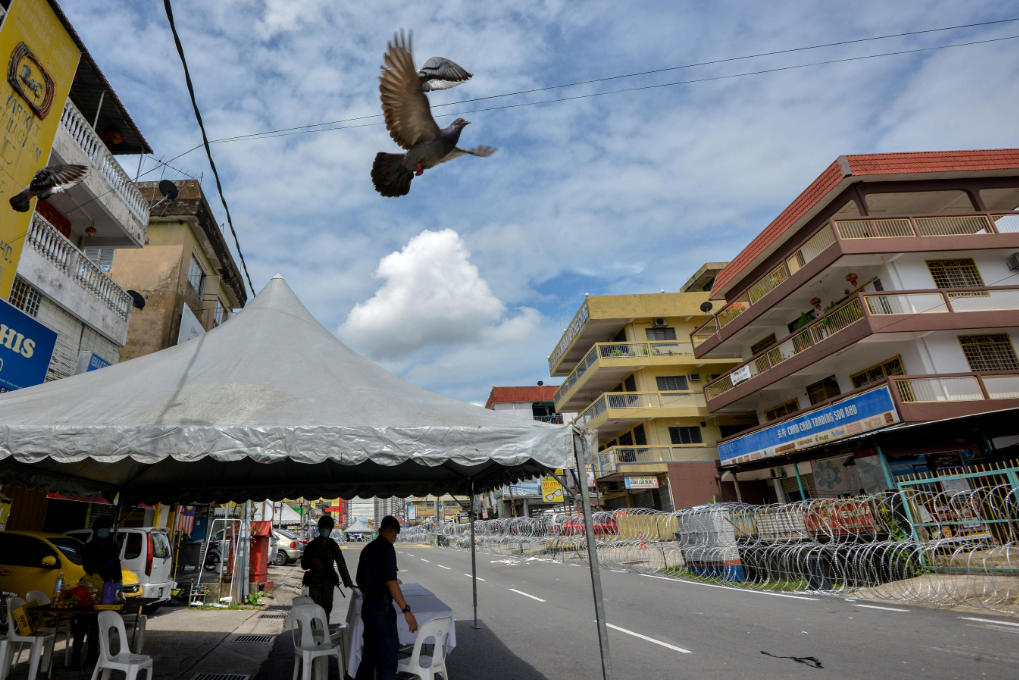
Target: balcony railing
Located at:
point(45, 238)
point(849, 230)
point(609, 460)
point(621, 350)
point(876, 304)
point(554, 419)
point(638, 401)
point(102, 160)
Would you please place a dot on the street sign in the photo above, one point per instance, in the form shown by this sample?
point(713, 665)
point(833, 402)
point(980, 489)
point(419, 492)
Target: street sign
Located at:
point(190, 328)
point(89, 361)
point(26, 347)
point(641, 482)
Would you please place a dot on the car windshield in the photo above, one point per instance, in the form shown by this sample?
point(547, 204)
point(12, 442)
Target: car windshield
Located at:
point(288, 534)
point(160, 545)
point(70, 547)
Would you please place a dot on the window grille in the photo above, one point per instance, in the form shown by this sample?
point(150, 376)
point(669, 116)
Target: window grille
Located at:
point(196, 277)
point(659, 334)
point(220, 314)
point(25, 297)
point(686, 435)
point(958, 273)
point(782, 410)
point(992, 352)
point(102, 257)
point(823, 390)
point(763, 344)
point(877, 372)
point(672, 383)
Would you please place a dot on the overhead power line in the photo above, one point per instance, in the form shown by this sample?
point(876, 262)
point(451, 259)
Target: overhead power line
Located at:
point(205, 140)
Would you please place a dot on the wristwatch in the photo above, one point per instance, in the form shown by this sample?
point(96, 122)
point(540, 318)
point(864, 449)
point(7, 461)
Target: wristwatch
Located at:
point(406, 610)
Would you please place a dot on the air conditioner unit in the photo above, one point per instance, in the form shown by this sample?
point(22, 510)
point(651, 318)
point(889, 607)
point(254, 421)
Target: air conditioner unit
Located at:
point(695, 377)
point(1013, 262)
point(660, 323)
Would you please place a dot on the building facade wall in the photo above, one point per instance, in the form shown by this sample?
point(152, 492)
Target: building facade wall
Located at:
point(73, 337)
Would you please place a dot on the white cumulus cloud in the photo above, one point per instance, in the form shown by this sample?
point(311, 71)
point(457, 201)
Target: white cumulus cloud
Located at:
point(432, 295)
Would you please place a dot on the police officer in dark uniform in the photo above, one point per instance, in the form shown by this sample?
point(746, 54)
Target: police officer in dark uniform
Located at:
point(376, 577)
point(100, 557)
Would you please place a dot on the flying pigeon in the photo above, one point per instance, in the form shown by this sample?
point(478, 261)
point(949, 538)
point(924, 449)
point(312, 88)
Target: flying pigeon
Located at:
point(410, 123)
point(441, 74)
point(50, 180)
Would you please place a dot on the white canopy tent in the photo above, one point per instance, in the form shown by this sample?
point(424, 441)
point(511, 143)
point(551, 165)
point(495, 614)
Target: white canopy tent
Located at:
point(284, 515)
point(358, 527)
point(270, 405)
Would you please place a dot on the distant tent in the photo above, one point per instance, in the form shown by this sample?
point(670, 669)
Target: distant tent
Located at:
point(284, 515)
point(358, 527)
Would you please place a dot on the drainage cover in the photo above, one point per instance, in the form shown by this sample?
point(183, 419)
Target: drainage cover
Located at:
point(278, 607)
point(254, 638)
point(273, 616)
point(220, 676)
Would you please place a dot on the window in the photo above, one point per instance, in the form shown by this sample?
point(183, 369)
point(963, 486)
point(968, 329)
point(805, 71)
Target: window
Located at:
point(626, 439)
point(763, 344)
point(23, 551)
point(639, 437)
point(802, 320)
point(70, 547)
point(196, 276)
point(989, 352)
point(782, 410)
point(686, 435)
point(620, 336)
point(672, 383)
point(823, 390)
point(730, 430)
point(101, 257)
point(877, 372)
point(960, 273)
point(220, 314)
point(25, 297)
point(134, 546)
point(658, 334)
point(160, 545)
point(630, 383)
point(610, 444)
point(919, 203)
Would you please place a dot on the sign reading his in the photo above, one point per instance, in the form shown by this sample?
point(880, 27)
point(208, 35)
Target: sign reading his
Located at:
point(26, 347)
point(41, 59)
point(641, 482)
point(871, 410)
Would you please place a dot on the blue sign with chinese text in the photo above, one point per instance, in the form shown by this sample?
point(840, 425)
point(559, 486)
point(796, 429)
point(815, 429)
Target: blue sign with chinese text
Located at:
point(26, 347)
point(860, 413)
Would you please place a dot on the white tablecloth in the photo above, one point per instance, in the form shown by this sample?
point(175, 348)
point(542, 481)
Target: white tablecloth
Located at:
point(423, 604)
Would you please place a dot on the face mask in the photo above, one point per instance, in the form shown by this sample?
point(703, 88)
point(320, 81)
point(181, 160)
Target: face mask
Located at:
point(102, 533)
point(324, 533)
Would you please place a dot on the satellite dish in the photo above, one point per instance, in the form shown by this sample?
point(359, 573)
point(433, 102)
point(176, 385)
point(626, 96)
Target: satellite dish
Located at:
point(137, 298)
point(705, 307)
point(540, 383)
point(168, 189)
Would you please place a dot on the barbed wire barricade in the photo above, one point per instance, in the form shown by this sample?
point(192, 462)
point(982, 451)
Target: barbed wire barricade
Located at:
point(922, 544)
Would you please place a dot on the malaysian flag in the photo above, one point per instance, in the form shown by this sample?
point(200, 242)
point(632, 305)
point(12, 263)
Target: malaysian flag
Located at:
point(185, 519)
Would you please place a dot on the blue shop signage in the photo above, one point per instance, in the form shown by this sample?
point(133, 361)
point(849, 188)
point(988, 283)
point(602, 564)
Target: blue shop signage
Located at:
point(26, 347)
point(871, 410)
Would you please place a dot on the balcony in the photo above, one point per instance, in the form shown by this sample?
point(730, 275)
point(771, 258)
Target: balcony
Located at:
point(909, 233)
point(107, 199)
point(617, 462)
point(615, 411)
point(52, 264)
point(864, 314)
point(612, 361)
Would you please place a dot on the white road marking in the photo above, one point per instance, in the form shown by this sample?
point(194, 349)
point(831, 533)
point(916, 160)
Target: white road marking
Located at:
point(520, 592)
point(441, 566)
point(1000, 623)
point(736, 590)
point(409, 555)
point(886, 609)
point(469, 576)
point(424, 560)
point(649, 639)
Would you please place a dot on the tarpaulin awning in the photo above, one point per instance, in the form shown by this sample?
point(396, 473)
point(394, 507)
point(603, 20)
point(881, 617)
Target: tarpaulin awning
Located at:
point(268, 405)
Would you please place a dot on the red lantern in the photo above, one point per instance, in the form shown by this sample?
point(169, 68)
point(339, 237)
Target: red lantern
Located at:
point(90, 231)
point(816, 303)
point(852, 279)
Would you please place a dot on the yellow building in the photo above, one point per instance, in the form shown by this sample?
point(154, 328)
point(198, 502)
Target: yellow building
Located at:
point(630, 372)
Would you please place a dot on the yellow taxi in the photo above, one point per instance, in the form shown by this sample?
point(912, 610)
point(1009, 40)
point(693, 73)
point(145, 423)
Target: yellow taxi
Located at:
point(34, 560)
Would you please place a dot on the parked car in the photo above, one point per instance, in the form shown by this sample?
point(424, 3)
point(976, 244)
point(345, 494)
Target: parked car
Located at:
point(288, 547)
point(146, 552)
point(34, 560)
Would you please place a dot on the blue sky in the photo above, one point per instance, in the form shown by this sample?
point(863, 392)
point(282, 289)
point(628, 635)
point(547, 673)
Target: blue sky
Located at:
point(458, 286)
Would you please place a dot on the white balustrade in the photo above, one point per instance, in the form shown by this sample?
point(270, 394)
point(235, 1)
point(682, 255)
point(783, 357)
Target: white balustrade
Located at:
point(1002, 386)
point(906, 303)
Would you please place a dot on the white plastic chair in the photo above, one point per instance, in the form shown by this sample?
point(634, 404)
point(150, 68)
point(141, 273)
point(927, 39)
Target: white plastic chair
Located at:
point(427, 667)
point(131, 664)
point(312, 626)
point(64, 630)
point(41, 644)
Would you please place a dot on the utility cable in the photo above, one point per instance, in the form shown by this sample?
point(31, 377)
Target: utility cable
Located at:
point(205, 140)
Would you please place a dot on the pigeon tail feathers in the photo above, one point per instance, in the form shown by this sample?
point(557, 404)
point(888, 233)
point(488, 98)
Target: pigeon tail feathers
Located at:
point(389, 176)
point(22, 202)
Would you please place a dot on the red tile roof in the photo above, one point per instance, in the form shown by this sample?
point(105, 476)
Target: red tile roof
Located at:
point(860, 166)
point(503, 395)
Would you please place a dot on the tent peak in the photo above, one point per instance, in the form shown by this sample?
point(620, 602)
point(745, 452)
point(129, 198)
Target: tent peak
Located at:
point(278, 276)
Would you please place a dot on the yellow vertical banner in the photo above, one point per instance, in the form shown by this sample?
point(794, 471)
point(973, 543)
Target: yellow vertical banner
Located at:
point(39, 59)
point(551, 490)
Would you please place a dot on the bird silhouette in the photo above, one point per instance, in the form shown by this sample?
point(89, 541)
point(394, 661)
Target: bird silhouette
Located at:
point(409, 119)
point(53, 179)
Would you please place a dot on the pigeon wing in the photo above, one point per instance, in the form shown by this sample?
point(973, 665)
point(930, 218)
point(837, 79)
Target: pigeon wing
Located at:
point(439, 73)
point(57, 178)
point(404, 104)
point(480, 151)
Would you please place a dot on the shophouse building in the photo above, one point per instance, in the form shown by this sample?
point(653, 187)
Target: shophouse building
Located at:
point(186, 274)
point(630, 372)
point(886, 294)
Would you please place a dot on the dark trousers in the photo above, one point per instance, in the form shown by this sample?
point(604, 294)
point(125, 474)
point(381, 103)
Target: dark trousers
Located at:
point(80, 627)
point(321, 594)
point(381, 641)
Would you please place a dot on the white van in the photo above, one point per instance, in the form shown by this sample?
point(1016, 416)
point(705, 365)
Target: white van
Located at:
point(146, 552)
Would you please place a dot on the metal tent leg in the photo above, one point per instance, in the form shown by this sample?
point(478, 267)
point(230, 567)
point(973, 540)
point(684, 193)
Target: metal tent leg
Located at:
point(581, 453)
point(474, 560)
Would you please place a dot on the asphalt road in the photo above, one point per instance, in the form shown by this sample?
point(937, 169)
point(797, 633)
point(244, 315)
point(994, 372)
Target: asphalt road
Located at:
point(537, 621)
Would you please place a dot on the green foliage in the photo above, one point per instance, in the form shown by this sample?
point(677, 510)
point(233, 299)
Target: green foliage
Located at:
point(804, 320)
point(254, 599)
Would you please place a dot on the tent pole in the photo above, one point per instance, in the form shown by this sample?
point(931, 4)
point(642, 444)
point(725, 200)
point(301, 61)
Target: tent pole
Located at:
point(474, 560)
point(581, 453)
